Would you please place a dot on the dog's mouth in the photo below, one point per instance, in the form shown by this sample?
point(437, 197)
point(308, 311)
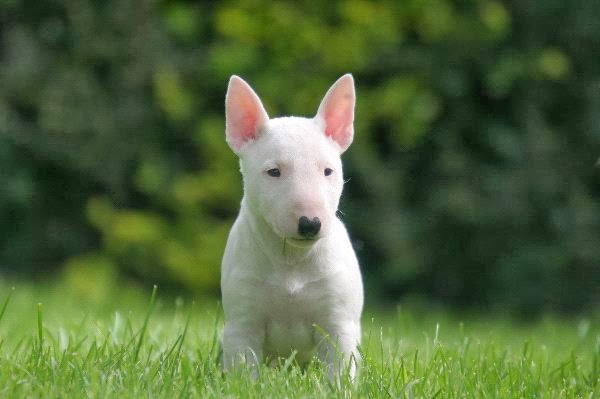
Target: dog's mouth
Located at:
point(303, 241)
point(297, 240)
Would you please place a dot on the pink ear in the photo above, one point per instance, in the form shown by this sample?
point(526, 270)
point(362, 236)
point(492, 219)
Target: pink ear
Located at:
point(245, 115)
point(336, 112)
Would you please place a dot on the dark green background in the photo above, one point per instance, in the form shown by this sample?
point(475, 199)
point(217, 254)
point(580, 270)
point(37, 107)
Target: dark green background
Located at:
point(473, 179)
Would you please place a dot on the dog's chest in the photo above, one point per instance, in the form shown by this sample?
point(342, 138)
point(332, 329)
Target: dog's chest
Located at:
point(291, 296)
point(293, 304)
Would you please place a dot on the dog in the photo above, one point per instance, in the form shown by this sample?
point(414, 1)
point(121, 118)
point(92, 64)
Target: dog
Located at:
point(290, 281)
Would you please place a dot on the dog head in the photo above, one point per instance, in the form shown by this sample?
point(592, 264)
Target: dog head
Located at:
point(291, 166)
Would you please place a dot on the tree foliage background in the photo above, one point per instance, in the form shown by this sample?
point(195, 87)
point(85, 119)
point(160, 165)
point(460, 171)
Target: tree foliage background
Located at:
point(473, 176)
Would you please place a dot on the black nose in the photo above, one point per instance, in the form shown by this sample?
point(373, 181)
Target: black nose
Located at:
point(308, 228)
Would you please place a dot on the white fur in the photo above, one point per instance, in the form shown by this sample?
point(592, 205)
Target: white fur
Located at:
point(283, 294)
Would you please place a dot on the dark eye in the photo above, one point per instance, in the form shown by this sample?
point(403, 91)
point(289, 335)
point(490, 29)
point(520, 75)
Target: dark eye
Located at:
point(274, 172)
point(328, 171)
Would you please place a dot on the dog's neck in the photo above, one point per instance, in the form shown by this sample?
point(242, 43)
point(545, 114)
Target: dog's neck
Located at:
point(278, 250)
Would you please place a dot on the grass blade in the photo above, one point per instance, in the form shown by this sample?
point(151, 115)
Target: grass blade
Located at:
point(40, 324)
point(5, 304)
point(146, 319)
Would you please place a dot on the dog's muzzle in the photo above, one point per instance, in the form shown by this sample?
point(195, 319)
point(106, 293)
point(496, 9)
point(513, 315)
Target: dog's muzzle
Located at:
point(308, 228)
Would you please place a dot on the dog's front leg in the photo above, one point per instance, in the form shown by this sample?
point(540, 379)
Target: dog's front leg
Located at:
point(242, 345)
point(338, 349)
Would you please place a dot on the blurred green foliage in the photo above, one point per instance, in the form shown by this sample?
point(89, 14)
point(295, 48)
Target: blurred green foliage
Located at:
point(473, 177)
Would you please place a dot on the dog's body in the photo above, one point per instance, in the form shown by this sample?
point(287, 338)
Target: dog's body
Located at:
point(290, 279)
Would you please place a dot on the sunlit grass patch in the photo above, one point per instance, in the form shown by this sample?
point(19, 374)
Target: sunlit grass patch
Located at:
point(148, 345)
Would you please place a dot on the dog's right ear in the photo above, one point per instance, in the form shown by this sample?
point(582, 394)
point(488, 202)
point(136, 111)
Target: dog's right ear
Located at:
point(245, 115)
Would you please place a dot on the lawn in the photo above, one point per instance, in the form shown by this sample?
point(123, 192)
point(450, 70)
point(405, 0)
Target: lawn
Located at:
point(129, 344)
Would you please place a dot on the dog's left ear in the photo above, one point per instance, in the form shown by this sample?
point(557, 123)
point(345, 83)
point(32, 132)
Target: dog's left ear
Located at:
point(336, 112)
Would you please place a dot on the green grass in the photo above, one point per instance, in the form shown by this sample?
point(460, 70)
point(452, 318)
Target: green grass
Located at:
point(134, 344)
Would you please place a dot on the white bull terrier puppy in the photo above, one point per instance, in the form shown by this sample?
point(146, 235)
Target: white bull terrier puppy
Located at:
point(290, 279)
